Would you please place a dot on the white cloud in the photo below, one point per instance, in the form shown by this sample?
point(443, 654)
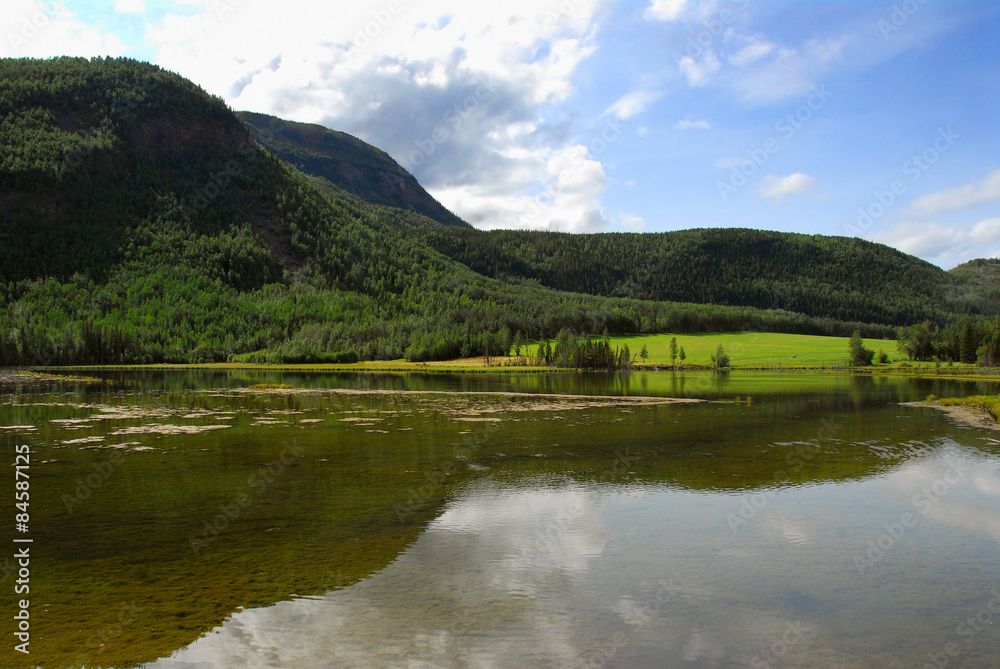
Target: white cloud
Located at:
point(666, 10)
point(955, 199)
point(754, 51)
point(698, 124)
point(943, 244)
point(631, 222)
point(632, 104)
point(569, 200)
point(44, 30)
point(986, 232)
point(764, 70)
point(698, 72)
point(928, 240)
point(778, 188)
point(784, 74)
point(130, 6)
point(829, 49)
point(761, 69)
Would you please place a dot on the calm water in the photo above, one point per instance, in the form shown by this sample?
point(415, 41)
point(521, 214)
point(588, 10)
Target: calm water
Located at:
point(181, 520)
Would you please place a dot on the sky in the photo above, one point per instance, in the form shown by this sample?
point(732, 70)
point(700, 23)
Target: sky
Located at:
point(858, 118)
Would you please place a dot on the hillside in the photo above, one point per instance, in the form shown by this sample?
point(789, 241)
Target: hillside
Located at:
point(359, 168)
point(832, 277)
point(825, 277)
point(978, 281)
point(142, 223)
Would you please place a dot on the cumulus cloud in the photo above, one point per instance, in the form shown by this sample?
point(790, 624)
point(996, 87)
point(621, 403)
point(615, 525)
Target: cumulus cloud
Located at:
point(778, 188)
point(699, 71)
point(945, 244)
point(666, 10)
point(48, 29)
point(567, 200)
point(955, 199)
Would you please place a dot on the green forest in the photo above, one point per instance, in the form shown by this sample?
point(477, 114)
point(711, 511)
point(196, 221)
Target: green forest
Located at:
point(143, 221)
point(834, 277)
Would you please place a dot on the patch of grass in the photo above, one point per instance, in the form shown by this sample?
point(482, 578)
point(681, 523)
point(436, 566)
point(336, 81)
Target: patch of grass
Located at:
point(67, 378)
point(988, 404)
point(270, 386)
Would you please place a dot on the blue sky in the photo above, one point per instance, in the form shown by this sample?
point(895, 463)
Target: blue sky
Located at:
point(864, 119)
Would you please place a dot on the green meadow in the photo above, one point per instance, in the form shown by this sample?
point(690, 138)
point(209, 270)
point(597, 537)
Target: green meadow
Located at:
point(753, 348)
point(748, 350)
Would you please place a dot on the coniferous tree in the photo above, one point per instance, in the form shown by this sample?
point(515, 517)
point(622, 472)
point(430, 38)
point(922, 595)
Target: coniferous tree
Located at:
point(859, 355)
point(720, 359)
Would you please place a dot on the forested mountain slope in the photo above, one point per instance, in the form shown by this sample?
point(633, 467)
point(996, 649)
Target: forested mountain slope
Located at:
point(141, 222)
point(828, 277)
point(978, 282)
point(353, 165)
point(833, 277)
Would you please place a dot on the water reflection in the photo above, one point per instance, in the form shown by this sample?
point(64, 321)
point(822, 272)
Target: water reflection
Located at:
point(946, 489)
point(700, 384)
point(492, 582)
point(570, 574)
point(504, 528)
point(529, 537)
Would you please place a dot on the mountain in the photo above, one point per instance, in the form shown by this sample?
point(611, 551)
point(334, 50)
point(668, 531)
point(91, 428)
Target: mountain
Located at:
point(824, 277)
point(351, 164)
point(142, 223)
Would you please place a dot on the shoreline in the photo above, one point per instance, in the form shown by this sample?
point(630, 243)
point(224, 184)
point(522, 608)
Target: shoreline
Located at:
point(36, 375)
point(965, 416)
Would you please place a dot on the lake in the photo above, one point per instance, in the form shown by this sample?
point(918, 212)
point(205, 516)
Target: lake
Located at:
point(181, 519)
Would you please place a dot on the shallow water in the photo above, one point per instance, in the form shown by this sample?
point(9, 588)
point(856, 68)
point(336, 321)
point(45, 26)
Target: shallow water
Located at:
point(442, 521)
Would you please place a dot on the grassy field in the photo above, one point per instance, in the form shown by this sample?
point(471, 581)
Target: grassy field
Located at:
point(746, 349)
point(754, 348)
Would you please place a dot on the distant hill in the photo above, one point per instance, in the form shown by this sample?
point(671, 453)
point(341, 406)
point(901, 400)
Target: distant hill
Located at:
point(825, 277)
point(831, 277)
point(346, 161)
point(978, 283)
